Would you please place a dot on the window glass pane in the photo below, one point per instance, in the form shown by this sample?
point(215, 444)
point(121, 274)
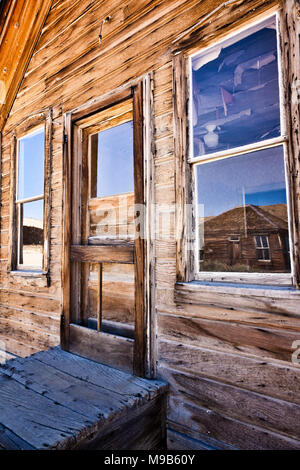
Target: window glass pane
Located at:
point(113, 217)
point(31, 165)
point(117, 299)
point(112, 161)
point(235, 91)
point(258, 242)
point(243, 198)
point(31, 236)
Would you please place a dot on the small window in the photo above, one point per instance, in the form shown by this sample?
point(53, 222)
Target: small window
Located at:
point(30, 200)
point(237, 151)
point(262, 248)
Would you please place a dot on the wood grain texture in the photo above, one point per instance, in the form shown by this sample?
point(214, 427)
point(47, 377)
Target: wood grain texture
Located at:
point(227, 429)
point(238, 344)
point(102, 254)
point(65, 260)
point(18, 40)
point(55, 400)
point(183, 439)
point(276, 379)
point(115, 351)
point(230, 337)
point(183, 183)
point(290, 50)
point(257, 409)
point(249, 297)
point(139, 199)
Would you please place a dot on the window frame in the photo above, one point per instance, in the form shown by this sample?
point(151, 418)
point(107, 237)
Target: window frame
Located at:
point(20, 202)
point(185, 175)
point(187, 258)
point(32, 123)
point(141, 91)
point(262, 248)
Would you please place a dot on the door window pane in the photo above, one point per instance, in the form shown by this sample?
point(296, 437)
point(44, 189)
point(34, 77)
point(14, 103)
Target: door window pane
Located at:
point(31, 233)
point(242, 213)
point(112, 161)
point(117, 312)
point(31, 165)
point(235, 96)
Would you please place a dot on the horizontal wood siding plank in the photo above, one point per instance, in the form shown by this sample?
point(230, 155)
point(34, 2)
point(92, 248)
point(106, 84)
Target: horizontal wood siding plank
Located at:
point(254, 408)
point(102, 347)
point(277, 379)
point(103, 254)
point(230, 337)
point(226, 429)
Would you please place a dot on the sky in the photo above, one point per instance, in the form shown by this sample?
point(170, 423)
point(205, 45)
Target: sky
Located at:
point(115, 160)
point(257, 177)
point(31, 172)
point(31, 165)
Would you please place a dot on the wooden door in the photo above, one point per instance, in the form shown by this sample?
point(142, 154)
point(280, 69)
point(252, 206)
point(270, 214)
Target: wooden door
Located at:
point(235, 252)
point(103, 317)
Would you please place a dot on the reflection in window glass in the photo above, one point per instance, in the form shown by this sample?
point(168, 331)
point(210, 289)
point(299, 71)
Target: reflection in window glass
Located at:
point(262, 247)
point(242, 213)
point(31, 165)
point(117, 313)
point(235, 91)
point(112, 161)
point(31, 233)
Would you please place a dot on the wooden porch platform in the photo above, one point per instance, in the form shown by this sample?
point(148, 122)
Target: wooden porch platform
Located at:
point(57, 400)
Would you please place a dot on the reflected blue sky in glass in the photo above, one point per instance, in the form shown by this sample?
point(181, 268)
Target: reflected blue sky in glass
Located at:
point(115, 160)
point(235, 91)
point(31, 165)
point(256, 178)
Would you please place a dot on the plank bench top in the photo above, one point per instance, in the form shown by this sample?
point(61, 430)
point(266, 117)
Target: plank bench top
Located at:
point(58, 400)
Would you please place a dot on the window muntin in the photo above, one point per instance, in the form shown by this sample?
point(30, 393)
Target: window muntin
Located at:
point(235, 98)
point(263, 137)
point(30, 200)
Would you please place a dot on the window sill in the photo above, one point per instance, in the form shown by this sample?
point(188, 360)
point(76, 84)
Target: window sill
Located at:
point(238, 296)
point(28, 273)
point(37, 278)
point(260, 279)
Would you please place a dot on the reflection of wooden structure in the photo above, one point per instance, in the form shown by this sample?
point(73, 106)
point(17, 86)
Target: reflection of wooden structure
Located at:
point(229, 238)
point(225, 349)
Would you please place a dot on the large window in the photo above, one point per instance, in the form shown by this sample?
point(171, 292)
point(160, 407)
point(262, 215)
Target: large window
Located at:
point(30, 199)
point(238, 155)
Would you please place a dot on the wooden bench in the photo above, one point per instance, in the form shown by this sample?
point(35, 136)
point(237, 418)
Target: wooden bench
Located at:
point(57, 400)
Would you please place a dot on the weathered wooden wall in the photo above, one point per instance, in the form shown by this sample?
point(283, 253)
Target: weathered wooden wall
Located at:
point(229, 366)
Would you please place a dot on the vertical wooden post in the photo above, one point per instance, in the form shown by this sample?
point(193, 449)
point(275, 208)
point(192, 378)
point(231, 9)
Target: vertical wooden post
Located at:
point(149, 245)
point(99, 304)
point(290, 50)
point(66, 283)
point(81, 182)
point(138, 147)
point(47, 190)
point(183, 175)
point(12, 256)
point(20, 219)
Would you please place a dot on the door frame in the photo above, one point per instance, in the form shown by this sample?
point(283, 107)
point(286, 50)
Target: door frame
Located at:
point(142, 349)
